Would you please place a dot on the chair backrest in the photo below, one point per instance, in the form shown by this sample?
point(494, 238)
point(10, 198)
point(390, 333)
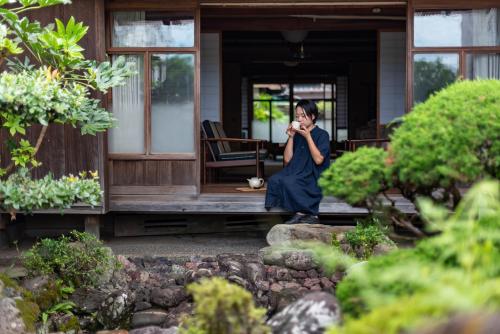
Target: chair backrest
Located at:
point(213, 129)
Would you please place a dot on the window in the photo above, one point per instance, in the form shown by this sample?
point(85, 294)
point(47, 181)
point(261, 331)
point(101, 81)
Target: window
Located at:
point(478, 27)
point(483, 66)
point(453, 44)
point(152, 29)
point(273, 107)
point(432, 72)
point(155, 109)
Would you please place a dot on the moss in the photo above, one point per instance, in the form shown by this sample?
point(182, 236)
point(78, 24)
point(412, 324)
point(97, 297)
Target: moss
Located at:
point(48, 296)
point(70, 325)
point(8, 282)
point(29, 313)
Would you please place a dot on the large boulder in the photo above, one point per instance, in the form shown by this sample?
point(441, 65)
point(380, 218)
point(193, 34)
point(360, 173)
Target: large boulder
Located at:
point(283, 234)
point(150, 317)
point(311, 314)
point(154, 330)
point(289, 257)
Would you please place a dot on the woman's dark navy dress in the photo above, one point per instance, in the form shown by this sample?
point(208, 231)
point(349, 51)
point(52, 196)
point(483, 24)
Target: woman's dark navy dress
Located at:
point(295, 188)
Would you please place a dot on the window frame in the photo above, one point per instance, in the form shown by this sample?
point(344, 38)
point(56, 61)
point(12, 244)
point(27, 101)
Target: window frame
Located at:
point(462, 51)
point(290, 100)
point(146, 53)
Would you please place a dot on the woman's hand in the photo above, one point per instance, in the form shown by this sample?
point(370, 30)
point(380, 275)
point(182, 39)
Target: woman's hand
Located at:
point(290, 131)
point(304, 132)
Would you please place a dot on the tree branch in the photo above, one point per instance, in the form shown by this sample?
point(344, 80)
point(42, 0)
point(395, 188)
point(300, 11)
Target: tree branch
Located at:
point(37, 147)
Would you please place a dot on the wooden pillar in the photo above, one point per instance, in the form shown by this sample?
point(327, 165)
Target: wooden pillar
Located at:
point(92, 225)
point(3, 230)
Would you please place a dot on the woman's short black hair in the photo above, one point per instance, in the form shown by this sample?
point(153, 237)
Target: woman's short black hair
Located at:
point(310, 108)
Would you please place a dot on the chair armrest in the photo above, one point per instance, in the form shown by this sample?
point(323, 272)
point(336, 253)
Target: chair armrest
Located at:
point(241, 140)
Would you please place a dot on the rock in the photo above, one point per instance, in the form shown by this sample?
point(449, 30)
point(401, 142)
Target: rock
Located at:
point(176, 313)
point(36, 283)
point(297, 259)
point(151, 317)
point(326, 283)
point(88, 299)
point(154, 330)
point(285, 297)
point(255, 272)
point(10, 321)
point(283, 234)
point(383, 248)
point(118, 331)
point(168, 297)
point(311, 314)
point(116, 309)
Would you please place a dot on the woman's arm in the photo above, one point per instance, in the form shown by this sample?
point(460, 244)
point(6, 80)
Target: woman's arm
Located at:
point(315, 153)
point(288, 154)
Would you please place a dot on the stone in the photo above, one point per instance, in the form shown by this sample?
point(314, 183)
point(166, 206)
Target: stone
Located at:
point(312, 273)
point(311, 314)
point(10, 321)
point(168, 297)
point(255, 272)
point(88, 299)
point(116, 331)
point(36, 283)
point(176, 313)
point(150, 317)
point(286, 297)
point(283, 234)
point(116, 309)
point(154, 330)
point(383, 248)
point(309, 282)
point(292, 258)
point(326, 283)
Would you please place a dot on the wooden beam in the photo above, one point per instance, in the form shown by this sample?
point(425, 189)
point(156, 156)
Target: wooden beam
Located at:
point(92, 225)
point(454, 4)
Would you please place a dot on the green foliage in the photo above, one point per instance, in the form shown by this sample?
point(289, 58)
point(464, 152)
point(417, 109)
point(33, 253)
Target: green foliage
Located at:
point(55, 90)
point(357, 177)
point(223, 308)
point(261, 111)
point(454, 137)
point(71, 325)
point(42, 97)
point(77, 260)
point(365, 237)
point(20, 192)
point(430, 77)
point(451, 140)
point(457, 270)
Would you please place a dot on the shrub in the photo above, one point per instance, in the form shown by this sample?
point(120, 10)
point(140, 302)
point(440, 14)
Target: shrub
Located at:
point(450, 140)
point(363, 239)
point(357, 177)
point(78, 259)
point(223, 308)
point(457, 270)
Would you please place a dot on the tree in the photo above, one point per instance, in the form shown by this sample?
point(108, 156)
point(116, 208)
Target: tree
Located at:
point(450, 141)
point(53, 87)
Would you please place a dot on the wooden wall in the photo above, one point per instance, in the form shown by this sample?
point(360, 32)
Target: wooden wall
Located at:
point(64, 149)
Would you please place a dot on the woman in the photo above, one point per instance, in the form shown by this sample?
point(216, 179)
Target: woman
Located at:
point(307, 154)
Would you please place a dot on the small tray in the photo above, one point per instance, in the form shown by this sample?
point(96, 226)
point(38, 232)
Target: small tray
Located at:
point(248, 189)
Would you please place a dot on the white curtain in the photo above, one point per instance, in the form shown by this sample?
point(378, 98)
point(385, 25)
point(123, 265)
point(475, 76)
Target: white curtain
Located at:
point(485, 31)
point(128, 108)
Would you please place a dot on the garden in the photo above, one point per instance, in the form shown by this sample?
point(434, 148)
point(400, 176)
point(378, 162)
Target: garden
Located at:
point(444, 158)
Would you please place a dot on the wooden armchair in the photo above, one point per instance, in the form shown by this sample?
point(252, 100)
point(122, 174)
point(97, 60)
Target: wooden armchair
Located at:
point(215, 146)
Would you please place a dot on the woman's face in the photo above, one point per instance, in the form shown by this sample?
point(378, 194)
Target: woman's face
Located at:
point(301, 116)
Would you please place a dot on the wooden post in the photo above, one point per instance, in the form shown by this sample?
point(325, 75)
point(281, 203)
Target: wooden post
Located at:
point(3, 228)
point(92, 225)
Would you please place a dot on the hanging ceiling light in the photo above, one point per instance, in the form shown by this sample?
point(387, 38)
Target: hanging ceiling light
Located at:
point(294, 36)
